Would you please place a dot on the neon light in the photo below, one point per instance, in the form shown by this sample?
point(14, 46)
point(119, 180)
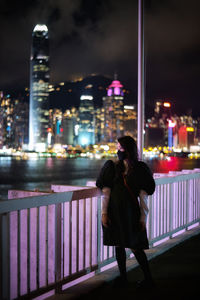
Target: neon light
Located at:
point(170, 137)
point(58, 124)
point(40, 27)
point(191, 129)
point(129, 107)
point(116, 83)
point(167, 104)
point(171, 124)
point(117, 91)
point(84, 97)
point(110, 92)
point(84, 141)
point(49, 138)
point(115, 88)
point(76, 128)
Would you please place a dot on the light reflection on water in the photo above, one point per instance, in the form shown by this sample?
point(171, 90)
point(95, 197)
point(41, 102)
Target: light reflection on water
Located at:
point(41, 173)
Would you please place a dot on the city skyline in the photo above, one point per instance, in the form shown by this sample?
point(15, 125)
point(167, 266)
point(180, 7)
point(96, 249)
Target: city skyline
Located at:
point(101, 37)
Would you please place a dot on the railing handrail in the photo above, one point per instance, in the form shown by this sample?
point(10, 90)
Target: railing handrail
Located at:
point(48, 199)
point(60, 197)
point(171, 178)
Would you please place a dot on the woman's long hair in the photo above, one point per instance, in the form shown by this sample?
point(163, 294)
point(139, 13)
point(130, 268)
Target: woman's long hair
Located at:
point(130, 147)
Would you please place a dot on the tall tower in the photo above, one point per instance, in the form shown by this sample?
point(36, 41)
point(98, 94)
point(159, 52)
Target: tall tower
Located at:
point(113, 112)
point(39, 84)
point(86, 121)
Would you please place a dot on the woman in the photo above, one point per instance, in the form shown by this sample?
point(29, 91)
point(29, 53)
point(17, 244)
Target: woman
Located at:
point(123, 217)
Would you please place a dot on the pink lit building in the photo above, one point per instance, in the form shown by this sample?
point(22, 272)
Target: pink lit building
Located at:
point(113, 105)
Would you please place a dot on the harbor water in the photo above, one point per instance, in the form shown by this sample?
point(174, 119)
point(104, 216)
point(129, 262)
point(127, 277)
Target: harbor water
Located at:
point(40, 173)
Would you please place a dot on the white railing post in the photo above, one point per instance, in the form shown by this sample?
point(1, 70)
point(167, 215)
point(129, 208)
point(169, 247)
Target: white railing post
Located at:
point(187, 202)
point(58, 247)
point(4, 257)
point(98, 233)
point(171, 208)
point(150, 200)
point(198, 195)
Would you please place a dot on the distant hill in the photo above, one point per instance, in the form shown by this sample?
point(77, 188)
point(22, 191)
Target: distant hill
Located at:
point(67, 94)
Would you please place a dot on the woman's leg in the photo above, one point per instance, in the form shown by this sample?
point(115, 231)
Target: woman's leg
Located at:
point(121, 261)
point(143, 262)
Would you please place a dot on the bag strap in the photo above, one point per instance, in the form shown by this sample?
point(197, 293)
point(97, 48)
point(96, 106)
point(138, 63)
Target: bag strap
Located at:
point(130, 191)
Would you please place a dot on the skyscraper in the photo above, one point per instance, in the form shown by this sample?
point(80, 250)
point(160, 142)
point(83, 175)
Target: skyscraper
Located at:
point(130, 120)
point(39, 84)
point(113, 112)
point(86, 121)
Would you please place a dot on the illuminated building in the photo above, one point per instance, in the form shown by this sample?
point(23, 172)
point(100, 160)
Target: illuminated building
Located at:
point(99, 124)
point(157, 131)
point(68, 125)
point(20, 124)
point(1, 121)
point(62, 126)
point(130, 121)
point(7, 107)
point(13, 122)
point(198, 130)
point(171, 125)
point(113, 112)
point(39, 88)
point(86, 121)
point(55, 128)
point(186, 137)
point(68, 131)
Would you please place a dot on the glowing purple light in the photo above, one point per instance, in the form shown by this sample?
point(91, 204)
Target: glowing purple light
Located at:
point(117, 91)
point(170, 137)
point(115, 88)
point(110, 92)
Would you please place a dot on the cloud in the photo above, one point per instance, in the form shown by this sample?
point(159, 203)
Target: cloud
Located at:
point(100, 36)
point(172, 27)
point(97, 42)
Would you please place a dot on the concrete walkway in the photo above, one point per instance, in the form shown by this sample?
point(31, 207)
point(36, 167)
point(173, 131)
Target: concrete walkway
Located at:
point(175, 266)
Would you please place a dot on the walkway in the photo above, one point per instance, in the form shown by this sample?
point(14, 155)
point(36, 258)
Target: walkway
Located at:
point(175, 267)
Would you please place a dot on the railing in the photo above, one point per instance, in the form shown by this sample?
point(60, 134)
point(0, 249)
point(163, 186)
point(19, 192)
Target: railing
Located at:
point(50, 239)
point(175, 205)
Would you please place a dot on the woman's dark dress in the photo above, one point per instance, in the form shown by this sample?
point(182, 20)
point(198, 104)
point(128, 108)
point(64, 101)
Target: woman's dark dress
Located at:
point(124, 229)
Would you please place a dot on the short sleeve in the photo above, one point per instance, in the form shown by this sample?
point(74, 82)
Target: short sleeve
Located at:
point(146, 180)
point(106, 175)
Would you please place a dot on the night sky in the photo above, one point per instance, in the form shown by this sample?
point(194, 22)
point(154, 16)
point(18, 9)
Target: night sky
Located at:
point(100, 36)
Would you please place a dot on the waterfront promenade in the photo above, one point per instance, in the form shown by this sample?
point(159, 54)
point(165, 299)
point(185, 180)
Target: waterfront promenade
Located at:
point(175, 266)
point(50, 239)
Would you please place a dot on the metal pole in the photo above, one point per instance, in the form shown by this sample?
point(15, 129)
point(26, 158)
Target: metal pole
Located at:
point(140, 120)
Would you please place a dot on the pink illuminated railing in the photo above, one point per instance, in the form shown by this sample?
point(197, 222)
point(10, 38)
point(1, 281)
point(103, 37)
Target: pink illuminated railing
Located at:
point(175, 205)
point(48, 240)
